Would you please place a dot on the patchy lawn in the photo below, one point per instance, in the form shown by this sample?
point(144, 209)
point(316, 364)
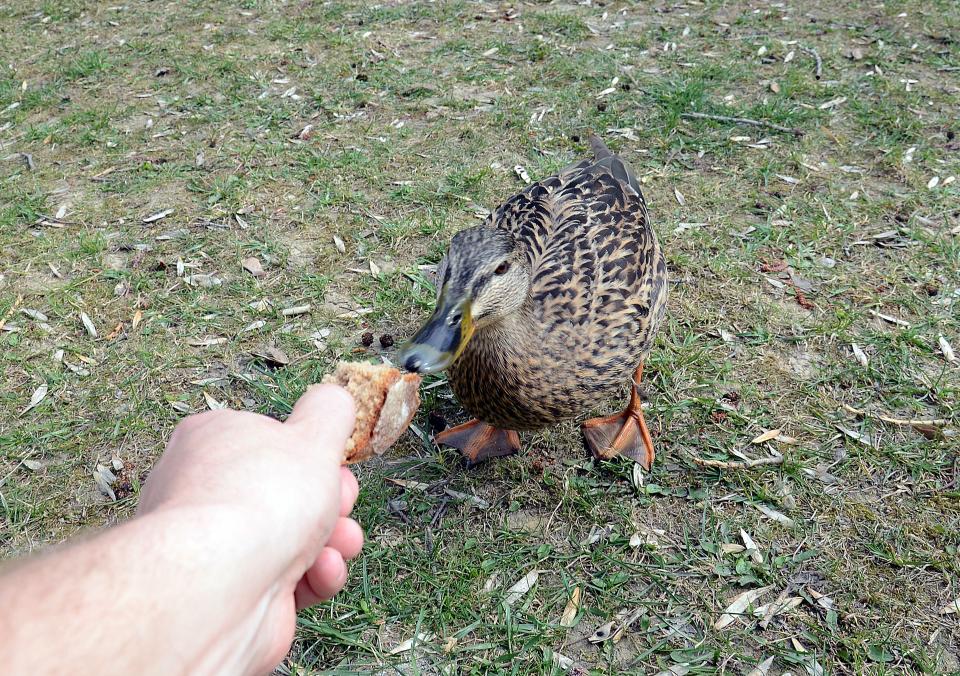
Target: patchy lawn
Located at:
point(148, 148)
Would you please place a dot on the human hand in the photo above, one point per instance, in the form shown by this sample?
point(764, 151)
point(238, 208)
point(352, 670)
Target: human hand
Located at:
point(278, 487)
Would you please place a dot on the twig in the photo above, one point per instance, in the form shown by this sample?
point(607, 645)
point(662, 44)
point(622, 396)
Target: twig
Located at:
point(743, 120)
point(932, 422)
point(9, 312)
point(813, 52)
point(736, 464)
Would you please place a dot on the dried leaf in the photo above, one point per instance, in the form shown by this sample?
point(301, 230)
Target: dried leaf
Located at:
point(337, 242)
point(789, 57)
point(952, 608)
point(521, 587)
point(561, 661)
point(157, 216)
point(762, 669)
point(681, 200)
point(203, 281)
point(946, 349)
point(181, 268)
point(603, 633)
point(860, 355)
point(32, 465)
point(751, 547)
point(104, 479)
point(766, 436)
point(410, 642)
point(374, 268)
point(36, 398)
point(933, 183)
point(775, 515)
point(34, 314)
point(212, 403)
point(568, 619)
point(88, 324)
point(137, 318)
point(205, 342)
point(180, 407)
point(738, 606)
point(731, 548)
point(253, 266)
point(253, 326)
point(857, 436)
point(273, 356)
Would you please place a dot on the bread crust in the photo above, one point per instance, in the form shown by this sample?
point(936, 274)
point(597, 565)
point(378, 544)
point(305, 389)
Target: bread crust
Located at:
point(385, 401)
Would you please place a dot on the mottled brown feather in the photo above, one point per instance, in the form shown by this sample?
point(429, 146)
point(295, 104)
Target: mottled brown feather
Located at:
point(597, 296)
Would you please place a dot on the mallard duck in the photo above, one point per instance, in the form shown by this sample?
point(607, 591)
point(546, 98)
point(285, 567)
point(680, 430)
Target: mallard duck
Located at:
point(546, 310)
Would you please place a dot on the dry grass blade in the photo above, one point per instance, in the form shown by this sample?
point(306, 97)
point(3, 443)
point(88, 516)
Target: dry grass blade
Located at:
point(912, 422)
point(10, 311)
point(738, 607)
point(410, 642)
point(775, 515)
point(743, 120)
point(739, 464)
point(952, 608)
point(893, 320)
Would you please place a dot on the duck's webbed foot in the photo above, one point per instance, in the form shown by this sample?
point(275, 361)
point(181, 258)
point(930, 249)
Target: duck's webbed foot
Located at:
point(625, 433)
point(479, 441)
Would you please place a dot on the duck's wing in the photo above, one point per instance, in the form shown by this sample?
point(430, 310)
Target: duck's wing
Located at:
point(591, 251)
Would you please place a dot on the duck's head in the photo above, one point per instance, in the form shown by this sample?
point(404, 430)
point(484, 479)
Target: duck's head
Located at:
point(482, 279)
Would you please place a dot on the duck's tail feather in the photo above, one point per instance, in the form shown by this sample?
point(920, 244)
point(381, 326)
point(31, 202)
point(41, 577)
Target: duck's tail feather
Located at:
point(598, 147)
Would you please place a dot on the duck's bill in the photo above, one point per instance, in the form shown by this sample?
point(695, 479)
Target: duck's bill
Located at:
point(440, 341)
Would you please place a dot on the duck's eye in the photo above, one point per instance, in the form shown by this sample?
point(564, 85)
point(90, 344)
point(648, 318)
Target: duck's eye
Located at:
point(454, 319)
point(503, 267)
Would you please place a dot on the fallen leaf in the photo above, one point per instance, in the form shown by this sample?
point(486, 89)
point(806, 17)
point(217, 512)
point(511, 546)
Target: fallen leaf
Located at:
point(410, 642)
point(34, 314)
point(568, 619)
point(205, 342)
point(774, 87)
point(681, 200)
point(789, 57)
point(137, 318)
point(561, 661)
point(116, 331)
point(36, 398)
point(860, 355)
point(157, 216)
point(766, 436)
point(295, 310)
point(731, 548)
point(253, 326)
point(181, 268)
point(88, 324)
point(603, 633)
point(933, 183)
point(946, 349)
point(738, 606)
point(203, 281)
point(751, 547)
point(857, 436)
point(775, 515)
point(212, 403)
point(272, 356)
point(253, 266)
point(762, 669)
point(521, 587)
point(337, 242)
point(104, 479)
point(32, 465)
point(951, 608)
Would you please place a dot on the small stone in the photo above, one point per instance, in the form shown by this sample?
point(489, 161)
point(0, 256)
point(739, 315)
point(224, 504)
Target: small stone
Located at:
point(366, 339)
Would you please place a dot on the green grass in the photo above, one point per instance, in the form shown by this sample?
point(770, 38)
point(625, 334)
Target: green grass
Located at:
point(415, 124)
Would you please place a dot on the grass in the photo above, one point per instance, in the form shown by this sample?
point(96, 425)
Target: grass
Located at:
point(415, 115)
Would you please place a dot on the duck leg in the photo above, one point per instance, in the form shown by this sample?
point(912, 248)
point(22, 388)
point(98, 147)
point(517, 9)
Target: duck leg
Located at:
point(624, 433)
point(479, 441)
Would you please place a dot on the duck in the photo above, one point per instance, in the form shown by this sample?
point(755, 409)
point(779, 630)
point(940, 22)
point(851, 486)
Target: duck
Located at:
point(546, 310)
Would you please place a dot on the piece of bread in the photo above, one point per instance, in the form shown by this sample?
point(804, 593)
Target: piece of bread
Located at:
point(386, 402)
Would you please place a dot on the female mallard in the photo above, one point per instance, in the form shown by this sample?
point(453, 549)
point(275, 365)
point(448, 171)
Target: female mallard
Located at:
point(546, 309)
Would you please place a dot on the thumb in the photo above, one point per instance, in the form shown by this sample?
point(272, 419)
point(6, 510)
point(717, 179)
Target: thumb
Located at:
point(324, 416)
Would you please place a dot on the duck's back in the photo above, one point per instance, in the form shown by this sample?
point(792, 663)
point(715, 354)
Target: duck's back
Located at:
point(596, 264)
